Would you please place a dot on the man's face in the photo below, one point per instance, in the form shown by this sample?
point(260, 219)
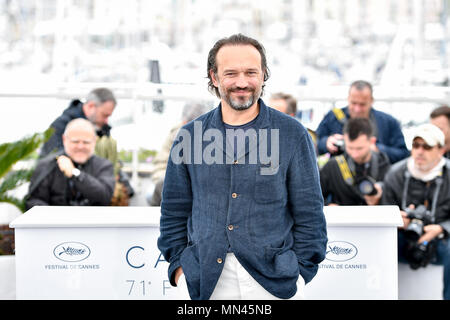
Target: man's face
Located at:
point(239, 76)
point(359, 149)
point(359, 103)
point(442, 123)
point(99, 114)
point(425, 157)
point(79, 144)
point(279, 104)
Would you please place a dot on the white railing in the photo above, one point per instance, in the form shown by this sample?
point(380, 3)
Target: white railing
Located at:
point(149, 91)
point(408, 104)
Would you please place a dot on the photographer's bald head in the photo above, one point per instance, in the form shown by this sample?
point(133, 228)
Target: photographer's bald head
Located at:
point(79, 140)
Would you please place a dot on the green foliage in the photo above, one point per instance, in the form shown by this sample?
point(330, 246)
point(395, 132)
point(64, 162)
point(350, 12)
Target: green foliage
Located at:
point(106, 147)
point(11, 153)
point(143, 155)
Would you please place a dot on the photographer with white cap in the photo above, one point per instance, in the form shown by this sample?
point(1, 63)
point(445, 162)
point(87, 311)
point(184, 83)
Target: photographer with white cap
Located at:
point(420, 186)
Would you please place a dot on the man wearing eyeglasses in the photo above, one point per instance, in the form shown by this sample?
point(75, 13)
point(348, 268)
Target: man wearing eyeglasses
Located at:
point(75, 176)
point(420, 186)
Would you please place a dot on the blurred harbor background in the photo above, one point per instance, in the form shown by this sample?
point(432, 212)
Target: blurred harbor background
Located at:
point(152, 54)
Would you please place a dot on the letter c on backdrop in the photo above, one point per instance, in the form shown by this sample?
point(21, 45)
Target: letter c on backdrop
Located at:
point(128, 261)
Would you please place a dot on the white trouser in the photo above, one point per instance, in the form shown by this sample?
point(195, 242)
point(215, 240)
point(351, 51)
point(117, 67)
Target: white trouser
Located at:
point(235, 283)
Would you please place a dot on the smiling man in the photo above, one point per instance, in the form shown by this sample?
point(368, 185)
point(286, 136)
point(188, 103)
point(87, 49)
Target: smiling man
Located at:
point(242, 229)
point(75, 176)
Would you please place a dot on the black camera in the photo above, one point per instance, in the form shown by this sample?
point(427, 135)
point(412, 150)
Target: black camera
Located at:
point(366, 185)
point(420, 217)
point(418, 254)
point(339, 144)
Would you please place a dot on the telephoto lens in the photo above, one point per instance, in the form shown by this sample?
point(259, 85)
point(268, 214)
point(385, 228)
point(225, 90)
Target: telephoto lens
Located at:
point(366, 186)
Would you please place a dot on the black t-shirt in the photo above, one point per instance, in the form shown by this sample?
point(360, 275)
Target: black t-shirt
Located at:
point(233, 139)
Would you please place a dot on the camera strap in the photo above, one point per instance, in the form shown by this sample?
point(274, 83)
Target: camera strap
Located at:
point(438, 181)
point(347, 168)
point(346, 173)
point(405, 188)
point(435, 196)
point(340, 115)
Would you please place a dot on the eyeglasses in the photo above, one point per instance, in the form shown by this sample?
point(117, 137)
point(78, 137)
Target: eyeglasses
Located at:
point(417, 145)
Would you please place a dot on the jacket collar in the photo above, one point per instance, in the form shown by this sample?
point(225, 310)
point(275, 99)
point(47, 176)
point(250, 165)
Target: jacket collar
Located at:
point(371, 114)
point(75, 110)
point(262, 121)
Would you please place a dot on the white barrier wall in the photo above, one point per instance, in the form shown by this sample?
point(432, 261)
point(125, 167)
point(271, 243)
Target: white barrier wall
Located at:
point(361, 259)
point(111, 253)
point(421, 284)
point(8, 213)
point(90, 253)
point(7, 277)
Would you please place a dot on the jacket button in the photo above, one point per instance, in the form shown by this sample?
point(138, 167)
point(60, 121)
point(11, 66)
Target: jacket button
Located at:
point(234, 195)
point(219, 260)
point(230, 227)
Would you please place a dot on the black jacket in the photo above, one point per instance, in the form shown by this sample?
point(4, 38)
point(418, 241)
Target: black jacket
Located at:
point(336, 190)
point(74, 111)
point(94, 186)
point(418, 191)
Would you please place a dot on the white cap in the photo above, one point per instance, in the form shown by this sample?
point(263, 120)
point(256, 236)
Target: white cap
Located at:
point(431, 134)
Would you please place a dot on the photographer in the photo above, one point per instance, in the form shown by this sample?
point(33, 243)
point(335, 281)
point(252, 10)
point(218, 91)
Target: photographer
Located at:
point(420, 186)
point(98, 108)
point(386, 128)
point(75, 176)
point(354, 177)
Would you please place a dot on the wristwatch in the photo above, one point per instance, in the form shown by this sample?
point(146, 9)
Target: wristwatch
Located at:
point(76, 172)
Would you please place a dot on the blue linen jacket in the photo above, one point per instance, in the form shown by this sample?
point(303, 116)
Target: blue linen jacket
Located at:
point(273, 223)
point(390, 139)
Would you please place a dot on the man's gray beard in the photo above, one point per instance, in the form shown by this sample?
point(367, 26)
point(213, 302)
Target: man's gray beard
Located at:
point(239, 106)
point(92, 120)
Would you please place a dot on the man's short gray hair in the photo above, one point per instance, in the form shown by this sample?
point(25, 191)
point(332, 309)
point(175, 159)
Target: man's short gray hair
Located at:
point(361, 85)
point(100, 96)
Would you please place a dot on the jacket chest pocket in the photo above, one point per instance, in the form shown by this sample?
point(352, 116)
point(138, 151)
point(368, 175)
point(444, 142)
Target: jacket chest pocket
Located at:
point(269, 188)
